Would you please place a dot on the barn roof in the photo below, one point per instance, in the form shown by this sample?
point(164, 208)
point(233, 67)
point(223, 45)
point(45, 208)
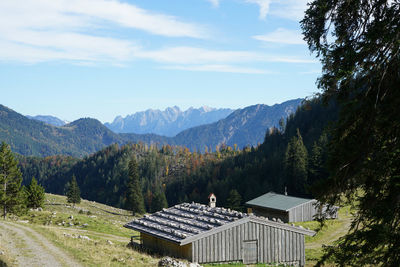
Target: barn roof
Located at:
point(184, 223)
point(277, 201)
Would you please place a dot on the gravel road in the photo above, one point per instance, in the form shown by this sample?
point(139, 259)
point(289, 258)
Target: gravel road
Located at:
point(29, 248)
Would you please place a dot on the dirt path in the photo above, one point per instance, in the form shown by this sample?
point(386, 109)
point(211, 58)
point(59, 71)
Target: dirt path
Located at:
point(332, 236)
point(29, 248)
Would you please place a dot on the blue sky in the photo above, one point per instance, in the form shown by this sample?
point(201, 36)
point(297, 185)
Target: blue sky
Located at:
point(102, 58)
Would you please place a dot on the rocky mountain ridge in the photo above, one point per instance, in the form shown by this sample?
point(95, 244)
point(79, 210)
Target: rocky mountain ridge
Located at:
point(168, 122)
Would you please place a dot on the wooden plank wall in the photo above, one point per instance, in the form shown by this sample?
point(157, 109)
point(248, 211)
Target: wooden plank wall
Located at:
point(165, 247)
point(303, 213)
point(275, 245)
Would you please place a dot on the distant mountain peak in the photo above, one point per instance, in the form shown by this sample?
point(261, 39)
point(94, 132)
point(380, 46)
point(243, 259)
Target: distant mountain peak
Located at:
point(206, 108)
point(51, 120)
point(168, 122)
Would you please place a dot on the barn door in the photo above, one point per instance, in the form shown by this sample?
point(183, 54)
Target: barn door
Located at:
point(249, 251)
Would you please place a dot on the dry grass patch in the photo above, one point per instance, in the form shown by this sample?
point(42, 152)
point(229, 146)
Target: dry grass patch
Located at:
point(97, 251)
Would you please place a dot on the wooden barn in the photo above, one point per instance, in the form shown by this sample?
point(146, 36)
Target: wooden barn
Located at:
point(286, 208)
point(205, 234)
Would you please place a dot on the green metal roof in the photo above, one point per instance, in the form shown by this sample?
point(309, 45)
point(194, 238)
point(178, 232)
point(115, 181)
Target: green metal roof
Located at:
point(277, 201)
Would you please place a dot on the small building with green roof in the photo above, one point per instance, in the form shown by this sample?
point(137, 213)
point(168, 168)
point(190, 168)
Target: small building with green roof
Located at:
point(283, 207)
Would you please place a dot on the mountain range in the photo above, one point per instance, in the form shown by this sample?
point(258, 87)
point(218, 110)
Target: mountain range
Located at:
point(48, 119)
point(169, 122)
point(242, 127)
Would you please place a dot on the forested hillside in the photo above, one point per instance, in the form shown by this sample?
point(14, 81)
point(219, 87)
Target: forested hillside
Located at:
point(278, 162)
point(36, 138)
point(107, 170)
point(189, 176)
point(244, 127)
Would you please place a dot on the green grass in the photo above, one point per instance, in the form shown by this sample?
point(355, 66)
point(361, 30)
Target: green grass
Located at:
point(327, 235)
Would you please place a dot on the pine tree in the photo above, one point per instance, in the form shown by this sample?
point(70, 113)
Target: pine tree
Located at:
point(34, 195)
point(317, 171)
point(296, 165)
point(11, 194)
point(73, 193)
point(234, 200)
point(159, 201)
point(358, 45)
point(135, 200)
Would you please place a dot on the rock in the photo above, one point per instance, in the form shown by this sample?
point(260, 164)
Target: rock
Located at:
point(39, 209)
point(67, 235)
point(70, 224)
point(84, 237)
point(1, 252)
point(85, 225)
point(23, 221)
point(71, 217)
point(109, 242)
point(170, 262)
point(59, 224)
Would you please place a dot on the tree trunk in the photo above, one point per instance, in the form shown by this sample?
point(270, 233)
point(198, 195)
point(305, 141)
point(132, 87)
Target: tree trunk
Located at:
point(5, 200)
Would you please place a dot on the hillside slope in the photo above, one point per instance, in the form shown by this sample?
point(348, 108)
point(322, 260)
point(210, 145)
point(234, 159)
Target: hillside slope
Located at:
point(89, 234)
point(78, 138)
point(244, 127)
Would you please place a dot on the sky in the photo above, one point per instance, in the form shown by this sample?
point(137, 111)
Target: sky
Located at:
point(103, 58)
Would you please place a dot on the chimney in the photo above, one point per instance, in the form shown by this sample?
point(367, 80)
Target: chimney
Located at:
point(212, 200)
point(285, 191)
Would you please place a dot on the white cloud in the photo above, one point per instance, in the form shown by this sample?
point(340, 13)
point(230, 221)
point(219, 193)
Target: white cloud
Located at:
point(264, 6)
point(82, 30)
point(215, 3)
point(218, 68)
point(194, 55)
point(289, 9)
point(282, 36)
point(315, 71)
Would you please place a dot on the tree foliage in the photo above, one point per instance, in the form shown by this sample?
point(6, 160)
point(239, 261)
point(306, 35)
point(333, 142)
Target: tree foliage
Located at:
point(358, 44)
point(11, 194)
point(159, 201)
point(73, 192)
point(34, 195)
point(235, 200)
point(296, 163)
point(135, 200)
